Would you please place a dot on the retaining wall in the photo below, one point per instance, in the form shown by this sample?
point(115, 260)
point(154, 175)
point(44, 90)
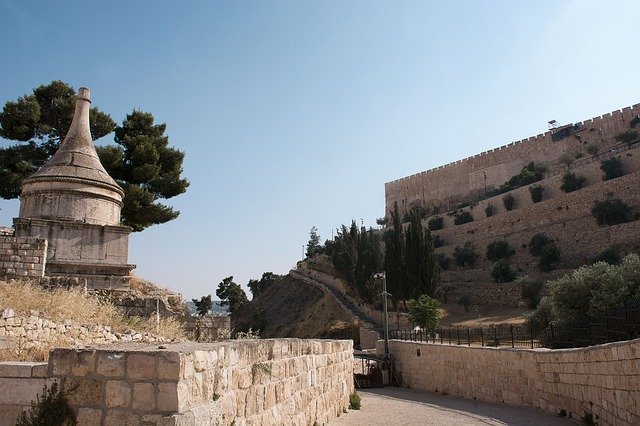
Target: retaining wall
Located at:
point(20, 382)
point(271, 381)
point(603, 380)
point(22, 256)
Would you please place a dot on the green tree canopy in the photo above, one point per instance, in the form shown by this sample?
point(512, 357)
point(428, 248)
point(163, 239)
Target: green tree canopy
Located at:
point(141, 162)
point(257, 287)
point(203, 306)
point(231, 294)
point(313, 246)
point(425, 312)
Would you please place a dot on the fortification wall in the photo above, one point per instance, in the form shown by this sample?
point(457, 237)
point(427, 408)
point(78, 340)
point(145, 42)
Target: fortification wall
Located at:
point(602, 380)
point(274, 381)
point(22, 256)
point(464, 179)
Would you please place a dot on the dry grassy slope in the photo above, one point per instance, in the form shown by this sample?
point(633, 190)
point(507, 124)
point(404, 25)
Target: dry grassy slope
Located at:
point(296, 309)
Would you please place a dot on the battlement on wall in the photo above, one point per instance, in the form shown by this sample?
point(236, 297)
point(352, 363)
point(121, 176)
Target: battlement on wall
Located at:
point(469, 177)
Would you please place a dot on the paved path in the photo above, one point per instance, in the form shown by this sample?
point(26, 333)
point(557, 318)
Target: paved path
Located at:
point(397, 406)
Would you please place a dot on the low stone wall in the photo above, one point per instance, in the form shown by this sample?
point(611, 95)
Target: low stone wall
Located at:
point(20, 383)
point(22, 256)
point(603, 380)
point(209, 328)
point(275, 381)
point(33, 331)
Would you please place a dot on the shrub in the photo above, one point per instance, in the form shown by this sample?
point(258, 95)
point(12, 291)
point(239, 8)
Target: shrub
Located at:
point(490, 210)
point(611, 255)
point(444, 291)
point(465, 300)
point(536, 193)
point(382, 221)
point(628, 137)
point(530, 290)
point(444, 261)
point(502, 272)
point(499, 249)
point(571, 182)
point(612, 168)
point(50, 409)
point(425, 312)
point(354, 401)
point(593, 149)
point(438, 241)
point(466, 255)
point(436, 223)
point(611, 212)
point(462, 217)
point(549, 257)
point(537, 242)
point(508, 202)
point(530, 173)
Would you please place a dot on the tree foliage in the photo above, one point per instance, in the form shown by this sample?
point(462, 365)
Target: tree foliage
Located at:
point(466, 255)
point(502, 272)
point(141, 161)
point(313, 246)
point(611, 212)
point(420, 262)
point(530, 290)
point(462, 217)
point(425, 312)
point(203, 306)
point(612, 168)
point(231, 294)
point(571, 182)
point(532, 172)
point(536, 193)
point(499, 249)
point(508, 201)
point(257, 287)
point(537, 242)
point(549, 257)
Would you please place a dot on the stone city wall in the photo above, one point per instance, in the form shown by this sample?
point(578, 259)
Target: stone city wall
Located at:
point(602, 380)
point(20, 382)
point(210, 328)
point(271, 381)
point(22, 256)
point(461, 180)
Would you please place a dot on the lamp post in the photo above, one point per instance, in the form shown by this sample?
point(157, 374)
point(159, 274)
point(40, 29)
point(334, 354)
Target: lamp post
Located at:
point(385, 317)
point(302, 258)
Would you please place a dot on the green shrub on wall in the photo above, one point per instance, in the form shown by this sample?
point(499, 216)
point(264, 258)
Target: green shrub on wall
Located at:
point(490, 210)
point(571, 182)
point(537, 242)
point(610, 255)
point(611, 212)
point(612, 168)
point(444, 261)
point(499, 249)
point(530, 290)
point(508, 202)
point(549, 257)
point(462, 218)
point(438, 241)
point(502, 272)
point(436, 223)
point(466, 255)
point(536, 193)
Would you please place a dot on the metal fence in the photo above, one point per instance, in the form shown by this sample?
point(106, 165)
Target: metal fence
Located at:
point(621, 324)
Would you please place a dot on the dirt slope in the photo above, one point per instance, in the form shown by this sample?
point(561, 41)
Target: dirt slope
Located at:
point(293, 308)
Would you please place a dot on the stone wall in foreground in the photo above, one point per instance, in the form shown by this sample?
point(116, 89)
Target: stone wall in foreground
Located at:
point(20, 382)
point(274, 381)
point(603, 380)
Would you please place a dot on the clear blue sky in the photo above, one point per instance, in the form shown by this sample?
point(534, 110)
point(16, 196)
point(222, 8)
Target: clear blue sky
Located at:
point(295, 113)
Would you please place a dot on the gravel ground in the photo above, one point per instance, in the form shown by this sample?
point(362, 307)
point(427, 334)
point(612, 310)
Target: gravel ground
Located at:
point(397, 406)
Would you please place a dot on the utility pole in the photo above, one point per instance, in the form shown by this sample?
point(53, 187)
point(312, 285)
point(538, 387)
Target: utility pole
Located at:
point(385, 316)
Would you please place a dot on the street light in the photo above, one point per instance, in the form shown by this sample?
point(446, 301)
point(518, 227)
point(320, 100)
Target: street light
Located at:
point(385, 317)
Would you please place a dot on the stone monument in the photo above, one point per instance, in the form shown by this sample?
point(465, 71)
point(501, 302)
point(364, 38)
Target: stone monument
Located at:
point(73, 203)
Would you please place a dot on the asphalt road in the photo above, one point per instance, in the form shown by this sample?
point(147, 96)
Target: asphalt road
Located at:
point(398, 406)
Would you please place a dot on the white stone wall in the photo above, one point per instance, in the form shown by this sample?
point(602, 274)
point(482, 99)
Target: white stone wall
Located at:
point(20, 383)
point(22, 256)
point(603, 380)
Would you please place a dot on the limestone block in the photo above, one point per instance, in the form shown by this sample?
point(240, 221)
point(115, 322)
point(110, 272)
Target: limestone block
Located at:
point(16, 369)
point(111, 364)
point(84, 362)
point(143, 397)
point(89, 417)
point(118, 393)
point(60, 362)
point(121, 418)
point(141, 367)
point(167, 397)
point(84, 392)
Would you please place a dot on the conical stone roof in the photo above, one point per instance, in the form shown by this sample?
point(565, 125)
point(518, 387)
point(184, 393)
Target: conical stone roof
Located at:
point(76, 157)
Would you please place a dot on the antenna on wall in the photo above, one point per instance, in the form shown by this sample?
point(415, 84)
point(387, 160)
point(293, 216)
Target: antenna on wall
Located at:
point(553, 124)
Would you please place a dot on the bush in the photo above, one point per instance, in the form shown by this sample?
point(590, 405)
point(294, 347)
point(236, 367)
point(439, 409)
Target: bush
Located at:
point(354, 401)
point(425, 312)
point(611, 255)
point(50, 409)
point(549, 257)
point(444, 261)
point(611, 212)
point(462, 217)
point(490, 210)
point(436, 223)
point(465, 300)
point(466, 255)
point(508, 202)
point(536, 193)
point(537, 242)
point(571, 182)
point(502, 272)
point(532, 172)
point(612, 168)
point(438, 241)
point(499, 249)
point(530, 290)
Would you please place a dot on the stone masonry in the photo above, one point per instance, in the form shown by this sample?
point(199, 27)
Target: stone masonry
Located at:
point(603, 380)
point(274, 381)
point(22, 256)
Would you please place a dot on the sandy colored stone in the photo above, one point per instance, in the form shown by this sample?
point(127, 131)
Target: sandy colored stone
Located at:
point(84, 392)
point(89, 417)
point(121, 418)
point(111, 364)
point(144, 398)
point(167, 397)
point(141, 367)
point(118, 393)
point(83, 363)
point(169, 366)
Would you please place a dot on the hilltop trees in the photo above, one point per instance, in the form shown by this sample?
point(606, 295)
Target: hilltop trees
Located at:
point(313, 246)
point(257, 287)
point(141, 161)
point(231, 294)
